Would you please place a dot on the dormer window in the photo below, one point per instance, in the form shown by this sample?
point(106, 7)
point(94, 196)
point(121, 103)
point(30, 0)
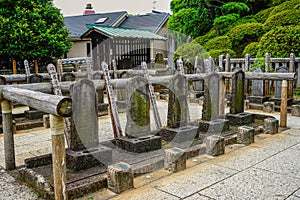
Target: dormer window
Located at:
point(101, 20)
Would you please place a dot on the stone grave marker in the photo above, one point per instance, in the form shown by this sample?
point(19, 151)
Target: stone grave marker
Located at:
point(237, 93)
point(278, 84)
point(138, 107)
point(257, 85)
point(85, 116)
point(178, 114)
point(212, 97)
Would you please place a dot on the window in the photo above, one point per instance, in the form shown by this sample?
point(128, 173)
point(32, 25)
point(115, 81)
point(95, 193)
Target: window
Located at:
point(101, 20)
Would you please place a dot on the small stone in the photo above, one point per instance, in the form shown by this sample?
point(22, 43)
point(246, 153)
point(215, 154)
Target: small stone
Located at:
point(271, 125)
point(175, 159)
point(215, 145)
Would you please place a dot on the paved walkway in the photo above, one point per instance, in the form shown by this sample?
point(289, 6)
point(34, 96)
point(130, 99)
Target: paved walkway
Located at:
point(267, 169)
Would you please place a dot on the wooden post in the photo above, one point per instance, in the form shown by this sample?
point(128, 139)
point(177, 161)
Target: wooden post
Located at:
point(7, 123)
point(222, 97)
point(36, 66)
point(14, 67)
point(283, 106)
point(227, 69)
point(291, 70)
point(267, 70)
point(58, 157)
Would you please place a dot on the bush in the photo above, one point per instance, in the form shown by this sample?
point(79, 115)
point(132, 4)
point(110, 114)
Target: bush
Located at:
point(284, 18)
point(251, 49)
point(221, 42)
point(263, 15)
point(244, 34)
point(215, 53)
point(276, 2)
point(243, 20)
point(287, 5)
point(209, 35)
point(280, 42)
point(189, 51)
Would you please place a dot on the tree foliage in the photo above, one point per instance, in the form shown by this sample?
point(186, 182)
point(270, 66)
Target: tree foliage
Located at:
point(31, 30)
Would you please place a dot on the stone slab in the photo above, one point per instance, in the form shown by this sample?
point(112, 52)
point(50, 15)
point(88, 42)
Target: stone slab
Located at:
point(257, 99)
point(122, 106)
point(87, 158)
point(243, 158)
point(240, 118)
point(213, 126)
point(140, 144)
point(277, 101)
point(33, 114)
point(279, 142)
point(192, 180)
point(102, 109)
point(285, 163)
point(178, 135)
point(257, 184)
point(295, 110)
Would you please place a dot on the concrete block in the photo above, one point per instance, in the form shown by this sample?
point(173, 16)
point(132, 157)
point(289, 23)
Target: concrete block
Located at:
point(271, 125)
point(46, 121)
point(215, 145)
point(120, 177)
point(245, 135)
point(246, 104)
point(296, 110)
point(175, 159)
point(269, 107)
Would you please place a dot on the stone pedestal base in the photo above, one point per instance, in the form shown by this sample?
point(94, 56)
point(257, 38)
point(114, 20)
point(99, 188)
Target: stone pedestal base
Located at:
point(215, 145)
point(271, 125)
point(102, 109)
point(120, 177)
point(46, 121)
point(245, 135)
point(140, 144)
point(269, 107)
point(214, 126)
point(277, 101)
point(257, 99)
point(175, 160)
point(33, 114)
point(122, 106)
point(296, 110)
point(240, 118)
point(84, 159)
point(178, 135)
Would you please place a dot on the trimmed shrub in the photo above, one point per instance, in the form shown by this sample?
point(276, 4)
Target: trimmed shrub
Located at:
point(287, 5)
point(244, 34)
point(276, 2)
point(189, 51)
point(284, 18)
point(263, 15)
point(204, 38)
point(221, 42)
point(215, 53)
point(251, 49)
point(280, 42)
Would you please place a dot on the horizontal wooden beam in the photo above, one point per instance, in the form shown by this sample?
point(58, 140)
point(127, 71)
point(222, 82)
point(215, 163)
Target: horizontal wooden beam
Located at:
point(52, 104)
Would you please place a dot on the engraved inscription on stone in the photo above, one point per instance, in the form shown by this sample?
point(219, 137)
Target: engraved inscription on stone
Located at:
point(258, 85)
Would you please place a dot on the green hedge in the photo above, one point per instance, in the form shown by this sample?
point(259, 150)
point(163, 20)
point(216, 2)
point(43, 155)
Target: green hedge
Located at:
point(287, 5)
point(221, 42)
point(189, 51)
point(215, 53)
point(285, 18)
point(263, 15)
point(204, 38)
point(251, 49)
point(244, 34)
point(280, 42)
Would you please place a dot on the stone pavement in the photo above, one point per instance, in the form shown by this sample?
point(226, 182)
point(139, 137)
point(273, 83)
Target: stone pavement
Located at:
point(267, 169)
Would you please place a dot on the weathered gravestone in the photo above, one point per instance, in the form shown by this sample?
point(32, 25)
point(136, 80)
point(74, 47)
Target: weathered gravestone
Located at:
point(258, 90)
point(277, 91)
point(84, 149)
point(237, 116)
point(178, 129)
point(213, 106)
point(138, 138)
point(102, 107)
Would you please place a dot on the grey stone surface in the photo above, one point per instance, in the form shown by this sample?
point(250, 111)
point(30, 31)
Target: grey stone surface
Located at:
point(197, 197)
point(12, 190)
point(258, 85)
point(256, 183)
point(285, 163)
point(243, 158)
point(192, 180)
point(293, 198)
